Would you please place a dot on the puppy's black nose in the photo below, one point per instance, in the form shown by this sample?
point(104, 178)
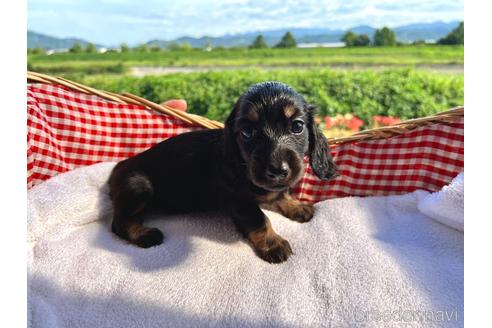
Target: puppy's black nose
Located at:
point(278, 172)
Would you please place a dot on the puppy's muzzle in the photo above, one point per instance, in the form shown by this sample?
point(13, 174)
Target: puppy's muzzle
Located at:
point(278, 170)
point(277, 173)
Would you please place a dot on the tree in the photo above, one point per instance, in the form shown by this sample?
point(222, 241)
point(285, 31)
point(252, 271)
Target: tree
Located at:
point(124, 47)
point(76, 48)
point(384, 37)
point(208, 46)
point(155, 48)
point(362, 40)
point(36, 51)
point(173, 46)
point(90, 48)
point(186, 46)
point(287, 41)
point(456, 36)
point(352, 39)
point(349, 38)
point(259, 43)
point(143, 48)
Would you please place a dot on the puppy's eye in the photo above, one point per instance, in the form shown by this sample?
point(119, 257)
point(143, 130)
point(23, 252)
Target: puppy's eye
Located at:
point(297, 127)
point(247, 133)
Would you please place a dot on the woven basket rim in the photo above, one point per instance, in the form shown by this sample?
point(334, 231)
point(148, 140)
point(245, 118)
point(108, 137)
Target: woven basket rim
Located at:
point(448, 116)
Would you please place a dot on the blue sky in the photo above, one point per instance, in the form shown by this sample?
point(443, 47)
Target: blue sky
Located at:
point(111, 22)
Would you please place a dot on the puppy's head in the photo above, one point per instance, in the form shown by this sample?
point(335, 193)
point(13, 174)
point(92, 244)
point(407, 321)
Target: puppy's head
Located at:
point(271, 128)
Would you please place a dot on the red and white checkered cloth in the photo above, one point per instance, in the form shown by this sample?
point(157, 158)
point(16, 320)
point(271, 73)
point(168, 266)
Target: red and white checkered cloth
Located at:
point(68, 129)
point(425, 158)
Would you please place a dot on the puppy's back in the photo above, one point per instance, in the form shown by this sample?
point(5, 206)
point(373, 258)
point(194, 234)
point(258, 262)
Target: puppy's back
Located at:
point(181, 173)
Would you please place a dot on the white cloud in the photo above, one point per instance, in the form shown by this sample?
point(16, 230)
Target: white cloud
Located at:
point(114, 21)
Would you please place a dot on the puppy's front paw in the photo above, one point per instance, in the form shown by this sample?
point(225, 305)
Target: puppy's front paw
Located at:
point(300, 212)
point(275, 250)
point(149, 237)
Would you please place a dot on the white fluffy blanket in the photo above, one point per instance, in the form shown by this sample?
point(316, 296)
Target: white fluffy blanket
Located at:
point(370, 262)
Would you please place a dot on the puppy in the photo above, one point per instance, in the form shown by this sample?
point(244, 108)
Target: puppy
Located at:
point(249, 164)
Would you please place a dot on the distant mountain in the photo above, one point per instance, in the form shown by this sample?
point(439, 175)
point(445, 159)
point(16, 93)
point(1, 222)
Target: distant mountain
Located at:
point(430, 31)
point(363, 29)
point(405, 33)
point(271, 38)
point(35, 40)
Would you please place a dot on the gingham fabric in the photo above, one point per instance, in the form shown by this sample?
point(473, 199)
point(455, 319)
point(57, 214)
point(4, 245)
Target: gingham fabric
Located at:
point(69, 129)
point(425, 158)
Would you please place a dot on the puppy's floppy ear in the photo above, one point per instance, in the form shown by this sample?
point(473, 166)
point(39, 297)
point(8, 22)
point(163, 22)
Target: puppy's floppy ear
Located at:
point(230, 145)
point(319, 150)
point(229, 123)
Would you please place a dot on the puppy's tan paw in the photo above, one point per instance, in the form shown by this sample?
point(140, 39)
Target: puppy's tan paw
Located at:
point(276, 250)
point(300, 212)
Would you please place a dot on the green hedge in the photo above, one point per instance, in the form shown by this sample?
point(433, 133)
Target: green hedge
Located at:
point(81, 69)
point(405, 93)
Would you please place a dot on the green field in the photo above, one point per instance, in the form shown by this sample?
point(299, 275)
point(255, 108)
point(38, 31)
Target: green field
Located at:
point(117, 63)
point(390, 82)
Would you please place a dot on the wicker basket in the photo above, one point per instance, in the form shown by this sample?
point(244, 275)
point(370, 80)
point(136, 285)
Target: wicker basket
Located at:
point(441, 134)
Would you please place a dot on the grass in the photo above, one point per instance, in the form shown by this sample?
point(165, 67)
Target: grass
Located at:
point(369, 56)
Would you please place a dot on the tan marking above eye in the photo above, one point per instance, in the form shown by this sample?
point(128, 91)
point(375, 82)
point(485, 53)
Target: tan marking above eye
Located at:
point(289, 111)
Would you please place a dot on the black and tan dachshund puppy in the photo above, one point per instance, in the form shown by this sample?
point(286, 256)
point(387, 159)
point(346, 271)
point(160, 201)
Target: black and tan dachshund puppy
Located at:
point(249, 164)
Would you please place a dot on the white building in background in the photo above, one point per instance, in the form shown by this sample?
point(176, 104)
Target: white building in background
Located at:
point(321, 45)
point(54, 51)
